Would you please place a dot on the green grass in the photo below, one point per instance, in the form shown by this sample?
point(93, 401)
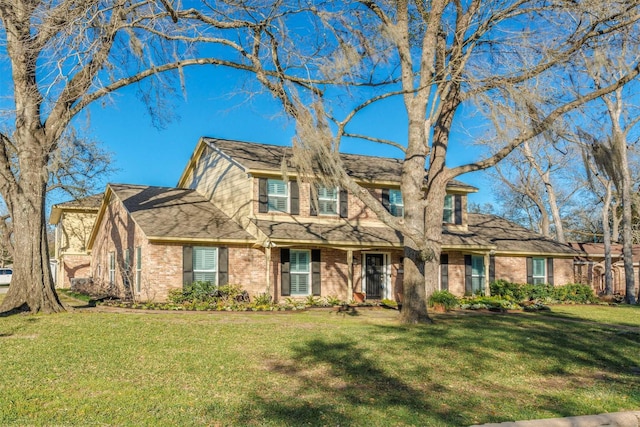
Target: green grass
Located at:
point(312, 368)
point(623, 315)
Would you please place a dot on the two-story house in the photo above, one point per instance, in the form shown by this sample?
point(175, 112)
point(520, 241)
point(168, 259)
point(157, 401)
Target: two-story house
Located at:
point(73, 222)
point(241, 215)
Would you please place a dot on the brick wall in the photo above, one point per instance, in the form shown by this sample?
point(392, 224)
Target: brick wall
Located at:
point(116, 233)
point(514, 269)
point(73, 266)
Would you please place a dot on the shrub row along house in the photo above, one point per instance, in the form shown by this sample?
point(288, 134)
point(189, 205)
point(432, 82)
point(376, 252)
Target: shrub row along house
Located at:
point(235, 217)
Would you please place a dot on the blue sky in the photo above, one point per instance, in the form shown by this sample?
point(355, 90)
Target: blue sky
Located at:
point(215, 106)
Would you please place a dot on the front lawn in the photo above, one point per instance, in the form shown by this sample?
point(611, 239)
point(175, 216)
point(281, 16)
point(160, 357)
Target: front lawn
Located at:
point(311, 368)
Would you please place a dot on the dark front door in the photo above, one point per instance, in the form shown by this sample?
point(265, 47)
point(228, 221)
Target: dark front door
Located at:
point(374, 275)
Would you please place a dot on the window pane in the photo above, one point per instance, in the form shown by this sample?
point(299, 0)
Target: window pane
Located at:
point(395, 197)
point(203, 276)
point(205, 258)
point(277, 187)
point(327, 193)
point(538, 267)
point(299, 284)
point(477, 266)
point(447, 215)
point(327, 201)
point(299, 261)
point(396, 205)
point(138, 257)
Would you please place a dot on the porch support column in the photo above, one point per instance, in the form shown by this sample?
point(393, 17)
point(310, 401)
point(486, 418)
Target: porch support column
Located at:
point(267, 255)
point(349, 275)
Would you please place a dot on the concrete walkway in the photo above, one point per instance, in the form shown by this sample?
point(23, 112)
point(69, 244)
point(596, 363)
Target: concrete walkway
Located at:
point(615, 419)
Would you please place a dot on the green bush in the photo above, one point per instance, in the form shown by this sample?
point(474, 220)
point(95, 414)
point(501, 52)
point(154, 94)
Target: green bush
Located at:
point(444, 298)
point(262, 299)
point(541, 292)
point(508, 290)
point(333, 300)
point(575, 293)
point(571, 293)
point(489, 303)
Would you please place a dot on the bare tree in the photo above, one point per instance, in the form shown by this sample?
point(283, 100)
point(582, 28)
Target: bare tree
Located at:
point(611, 153)
point(64, 55)
point(534, 177)
point(436, 57)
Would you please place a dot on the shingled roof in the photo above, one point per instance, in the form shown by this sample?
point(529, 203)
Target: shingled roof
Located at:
point(264, 157)
point(508, 236)
point(84, 204)
point(175, 213)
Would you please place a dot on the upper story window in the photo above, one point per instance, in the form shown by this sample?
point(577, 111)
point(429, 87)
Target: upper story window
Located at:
point(327, 201)
point(448, 215)
point(278, 195)
point(396, 205)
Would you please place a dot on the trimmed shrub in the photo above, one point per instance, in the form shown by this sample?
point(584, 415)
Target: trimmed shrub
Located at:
point(575, 293)
point(508, 290)
point(444, 298)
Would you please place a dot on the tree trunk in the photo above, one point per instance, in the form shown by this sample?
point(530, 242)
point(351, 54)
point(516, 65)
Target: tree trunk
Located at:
point(606, 231)
point(627, 232)
point(414, 307)
point(32, 287)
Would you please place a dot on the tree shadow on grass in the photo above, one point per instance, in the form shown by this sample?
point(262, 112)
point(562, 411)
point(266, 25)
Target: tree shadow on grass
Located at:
point(558, 367)
point(325, 382)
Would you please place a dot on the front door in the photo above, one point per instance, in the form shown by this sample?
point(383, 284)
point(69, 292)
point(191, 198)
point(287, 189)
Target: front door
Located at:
point(374, 279)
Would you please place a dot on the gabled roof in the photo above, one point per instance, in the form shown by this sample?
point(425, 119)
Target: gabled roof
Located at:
point(265, 158)
point(510, 237)
point(174, 214)
point(87, 204)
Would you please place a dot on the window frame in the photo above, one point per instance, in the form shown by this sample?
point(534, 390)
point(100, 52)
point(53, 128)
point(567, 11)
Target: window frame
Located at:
point(274, 196)
point(538, 279)
point(214, 270)
point(112, 267)
point(478, 276)
point(138, 272)
point(335, 200)
point(448, 213)
point(396, 209)
point(294, 272)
